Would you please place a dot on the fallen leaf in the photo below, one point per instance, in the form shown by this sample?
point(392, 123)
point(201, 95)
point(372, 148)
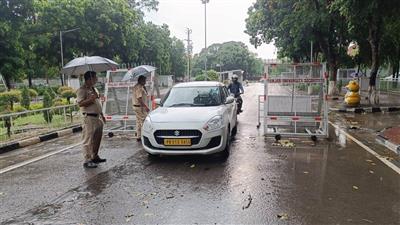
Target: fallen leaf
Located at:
point(192, 166)
point(159, 177)
point(283, 216)
point(371, 172)
point(305, 172)
point(170, 196)
point(128, 217)
point(355, 187)
point(368, 160)
point(369, 221)
point(374, 164)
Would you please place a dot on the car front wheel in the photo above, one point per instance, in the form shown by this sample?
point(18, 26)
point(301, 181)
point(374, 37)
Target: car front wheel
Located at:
point(226, 151)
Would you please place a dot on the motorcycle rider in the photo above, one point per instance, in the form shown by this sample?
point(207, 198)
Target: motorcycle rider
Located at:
point(236, 89)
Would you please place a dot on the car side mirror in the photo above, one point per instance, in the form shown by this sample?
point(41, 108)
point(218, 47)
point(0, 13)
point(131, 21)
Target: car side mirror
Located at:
point(157, 101)
point(229, 100)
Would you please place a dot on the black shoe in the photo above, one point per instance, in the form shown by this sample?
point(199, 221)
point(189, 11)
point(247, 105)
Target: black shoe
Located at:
point(90, 165)
point(139, 140)
point(99, 160)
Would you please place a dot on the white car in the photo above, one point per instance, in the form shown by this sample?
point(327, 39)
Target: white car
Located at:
point(193, 118)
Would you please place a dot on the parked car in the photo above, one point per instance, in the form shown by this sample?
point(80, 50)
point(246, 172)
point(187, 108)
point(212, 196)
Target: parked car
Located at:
point(193, 118)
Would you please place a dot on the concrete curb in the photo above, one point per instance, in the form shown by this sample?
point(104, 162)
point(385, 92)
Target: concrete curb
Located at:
point(367, 109)
point(388, 144)
point(45, 137)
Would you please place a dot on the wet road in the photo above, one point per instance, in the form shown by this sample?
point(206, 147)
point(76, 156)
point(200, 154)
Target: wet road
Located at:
point(333, 182)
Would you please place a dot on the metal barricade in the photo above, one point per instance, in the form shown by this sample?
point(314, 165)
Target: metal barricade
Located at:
point(117, 102)
point(294, 101)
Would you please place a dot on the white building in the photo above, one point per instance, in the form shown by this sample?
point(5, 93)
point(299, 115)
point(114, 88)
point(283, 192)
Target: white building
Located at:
point(165, 80)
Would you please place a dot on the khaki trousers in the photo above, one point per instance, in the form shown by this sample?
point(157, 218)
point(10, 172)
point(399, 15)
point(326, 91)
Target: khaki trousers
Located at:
point(140, 117)
point(92, 135)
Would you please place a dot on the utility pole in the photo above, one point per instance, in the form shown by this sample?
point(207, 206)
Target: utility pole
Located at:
point(205, 34)
point(189, 51)
point(61, 52)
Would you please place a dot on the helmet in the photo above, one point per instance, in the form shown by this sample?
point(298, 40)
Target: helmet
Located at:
point(235, 77)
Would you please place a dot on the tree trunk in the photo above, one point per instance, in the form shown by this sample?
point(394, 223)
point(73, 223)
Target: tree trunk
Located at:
point(374, 38)
point(396, 72)
point(7, 79)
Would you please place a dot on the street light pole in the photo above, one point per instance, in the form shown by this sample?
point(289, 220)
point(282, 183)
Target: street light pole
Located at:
point(205, 34)
point(61, 52)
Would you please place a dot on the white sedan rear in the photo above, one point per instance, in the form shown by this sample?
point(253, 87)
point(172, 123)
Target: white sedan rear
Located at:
point(193, 118)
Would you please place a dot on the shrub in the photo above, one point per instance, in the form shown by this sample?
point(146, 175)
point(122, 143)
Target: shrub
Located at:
point(19, 108)
point(10, 97)
point(40, 89)
point(26, 98)
point(63, 88)
point(47, 103)
point(33, 93)
point(36, 106)
point(68, 94)
point(60, 102)
point(51, 92)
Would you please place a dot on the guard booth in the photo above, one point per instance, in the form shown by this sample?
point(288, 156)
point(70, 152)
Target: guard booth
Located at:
point(226, 76)
point(117, 101)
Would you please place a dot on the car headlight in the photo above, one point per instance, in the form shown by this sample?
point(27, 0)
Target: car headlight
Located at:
point(147, 126)
point(214, 123)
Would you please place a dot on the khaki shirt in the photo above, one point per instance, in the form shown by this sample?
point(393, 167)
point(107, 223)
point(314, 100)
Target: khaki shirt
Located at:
point(83, 93)
point(139, 92)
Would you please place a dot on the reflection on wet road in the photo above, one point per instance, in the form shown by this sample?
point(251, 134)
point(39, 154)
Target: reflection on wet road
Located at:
point(332, 182)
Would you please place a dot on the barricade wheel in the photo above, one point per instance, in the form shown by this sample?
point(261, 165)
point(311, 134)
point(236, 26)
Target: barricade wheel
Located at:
point(278, 137)
point(314, 138)
point(110, 134)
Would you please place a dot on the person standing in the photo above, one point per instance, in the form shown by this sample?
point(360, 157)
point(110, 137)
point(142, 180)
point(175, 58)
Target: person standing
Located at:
point(93, 121)
point(139, 104)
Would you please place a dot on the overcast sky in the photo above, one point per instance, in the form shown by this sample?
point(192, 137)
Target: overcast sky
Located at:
point(225, 22)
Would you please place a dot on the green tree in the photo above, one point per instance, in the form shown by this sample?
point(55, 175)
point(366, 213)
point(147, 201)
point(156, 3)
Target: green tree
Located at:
point(212, 75)
point(178, 58)
point(26, 98)
point(367, 17)
point(13, 16)
point(228, 56)
point(9, 98)
point(292, 25)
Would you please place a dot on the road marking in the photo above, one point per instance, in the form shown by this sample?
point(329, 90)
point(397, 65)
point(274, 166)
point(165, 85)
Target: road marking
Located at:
point(368, 149)
point(27, 162)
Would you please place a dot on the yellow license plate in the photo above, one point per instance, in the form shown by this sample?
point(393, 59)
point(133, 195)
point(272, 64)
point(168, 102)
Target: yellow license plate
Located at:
point(177, 142)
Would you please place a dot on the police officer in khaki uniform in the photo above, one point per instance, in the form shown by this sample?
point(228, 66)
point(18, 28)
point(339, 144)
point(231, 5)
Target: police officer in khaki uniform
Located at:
point(90, 106)
point(139, 104)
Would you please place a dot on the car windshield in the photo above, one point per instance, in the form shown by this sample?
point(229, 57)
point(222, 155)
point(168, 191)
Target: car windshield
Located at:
point(193, 97)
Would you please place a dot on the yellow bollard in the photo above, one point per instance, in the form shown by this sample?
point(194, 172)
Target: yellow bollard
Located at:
point(352, 97)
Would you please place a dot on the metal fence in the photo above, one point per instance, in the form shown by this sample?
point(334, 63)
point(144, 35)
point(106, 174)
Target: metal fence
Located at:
point(390, 86)
point(18, 126)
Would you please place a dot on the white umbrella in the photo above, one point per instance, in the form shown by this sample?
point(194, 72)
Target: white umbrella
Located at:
point(137, 71)
point(81, 65)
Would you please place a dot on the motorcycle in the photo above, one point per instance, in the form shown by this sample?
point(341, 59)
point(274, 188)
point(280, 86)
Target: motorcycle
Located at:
point(239, 102)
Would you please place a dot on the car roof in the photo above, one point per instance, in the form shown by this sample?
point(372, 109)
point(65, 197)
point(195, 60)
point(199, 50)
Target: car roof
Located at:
point(200, 84)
